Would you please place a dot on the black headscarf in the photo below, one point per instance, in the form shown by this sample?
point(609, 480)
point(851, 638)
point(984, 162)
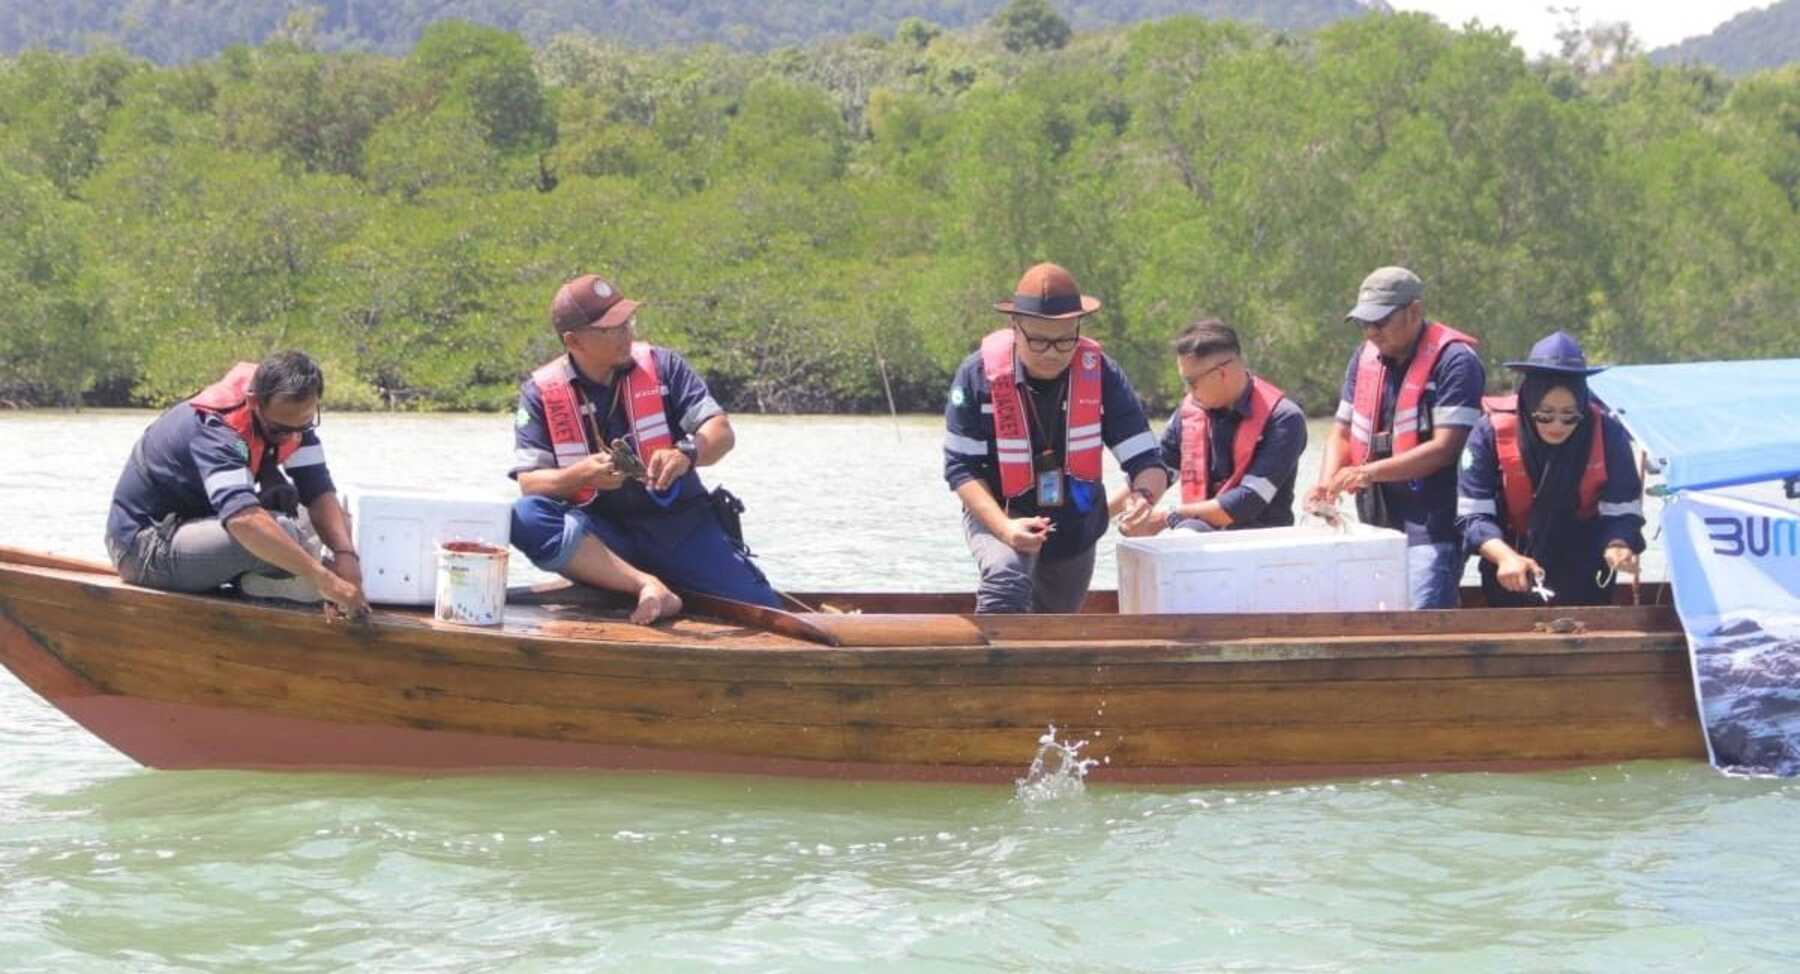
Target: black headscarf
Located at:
point(1555, 471)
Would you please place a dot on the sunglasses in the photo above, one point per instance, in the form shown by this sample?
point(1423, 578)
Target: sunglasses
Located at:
point(1560, 419)
point(275, 429)
point(1037, 344)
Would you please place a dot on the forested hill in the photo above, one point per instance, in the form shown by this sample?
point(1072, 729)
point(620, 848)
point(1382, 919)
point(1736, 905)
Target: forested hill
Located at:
point(173, 31)
point(1755, 39)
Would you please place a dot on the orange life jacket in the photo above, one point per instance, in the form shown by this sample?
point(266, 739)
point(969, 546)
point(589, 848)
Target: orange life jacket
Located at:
point(1371, 379)
point(1515, 482)
point(1196, 442)
point(229, 399)
point(1012, 434)
point(555, 383)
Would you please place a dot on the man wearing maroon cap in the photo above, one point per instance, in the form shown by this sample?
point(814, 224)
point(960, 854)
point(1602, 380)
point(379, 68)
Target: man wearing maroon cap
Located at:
point(1028, 414)
point(586, 422)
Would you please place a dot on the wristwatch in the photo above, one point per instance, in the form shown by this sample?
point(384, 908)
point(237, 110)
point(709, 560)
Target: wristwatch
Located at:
point(691, 450)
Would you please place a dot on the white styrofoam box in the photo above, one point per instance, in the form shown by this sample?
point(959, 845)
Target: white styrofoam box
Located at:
point(1298, 569)
point(398, 530)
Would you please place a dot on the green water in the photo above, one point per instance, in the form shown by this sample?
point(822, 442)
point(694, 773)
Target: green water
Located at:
point(106, 866)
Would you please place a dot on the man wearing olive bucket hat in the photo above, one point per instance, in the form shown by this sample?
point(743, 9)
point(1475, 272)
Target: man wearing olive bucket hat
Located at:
point(1549, 495)
point(606, 440)
point(1027, 416)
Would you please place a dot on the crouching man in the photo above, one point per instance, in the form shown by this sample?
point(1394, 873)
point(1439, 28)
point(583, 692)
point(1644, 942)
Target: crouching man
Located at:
point(607, 439)
point(200, 502)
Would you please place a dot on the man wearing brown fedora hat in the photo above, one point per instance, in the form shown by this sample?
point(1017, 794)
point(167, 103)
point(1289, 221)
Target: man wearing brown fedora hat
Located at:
point(606, 439)
point(1027, 417)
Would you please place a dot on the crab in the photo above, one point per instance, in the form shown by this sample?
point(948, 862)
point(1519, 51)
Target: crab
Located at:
point(1327, 512)
point(1562, 625)
point(625, 461)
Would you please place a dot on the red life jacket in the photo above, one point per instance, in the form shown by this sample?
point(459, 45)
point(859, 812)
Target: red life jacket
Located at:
point(555, 383)
point(1371, 379)
point(1196, 442)
point(229, 399)
point(1012, 435)
point(1515, 482)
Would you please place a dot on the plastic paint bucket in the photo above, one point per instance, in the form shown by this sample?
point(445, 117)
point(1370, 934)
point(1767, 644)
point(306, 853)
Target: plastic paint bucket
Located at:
point(471, 583)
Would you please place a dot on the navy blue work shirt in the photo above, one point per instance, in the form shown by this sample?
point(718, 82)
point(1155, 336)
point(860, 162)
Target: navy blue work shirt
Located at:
point(686, 404)
point(969, 452)
point(190, 464)
point(1265, 497)
point(1481, 510)
point(1425, 509)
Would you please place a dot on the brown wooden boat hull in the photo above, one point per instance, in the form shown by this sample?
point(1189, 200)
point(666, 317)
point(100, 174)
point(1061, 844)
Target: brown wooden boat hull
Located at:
point(206, 682)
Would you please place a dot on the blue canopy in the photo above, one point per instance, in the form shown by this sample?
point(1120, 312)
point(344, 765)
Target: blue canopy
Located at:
point(1711, 424)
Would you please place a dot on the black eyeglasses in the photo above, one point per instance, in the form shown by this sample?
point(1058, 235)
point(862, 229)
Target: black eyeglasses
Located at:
point(1560, 419)
point(1037, 344)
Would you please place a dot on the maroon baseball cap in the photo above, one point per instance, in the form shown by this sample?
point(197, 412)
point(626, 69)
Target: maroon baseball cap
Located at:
point(588, 301)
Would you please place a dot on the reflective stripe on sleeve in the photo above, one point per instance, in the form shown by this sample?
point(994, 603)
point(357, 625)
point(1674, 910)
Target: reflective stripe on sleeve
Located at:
point(306, 456)
point(1621, 508)
point(1455, 416)
point(967, 446)
point(1133, 447)
point(1262, 486)
point(1471, 506)
point(227, 479)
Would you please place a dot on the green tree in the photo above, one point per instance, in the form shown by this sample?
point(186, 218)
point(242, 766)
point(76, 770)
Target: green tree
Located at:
point(1031, 25)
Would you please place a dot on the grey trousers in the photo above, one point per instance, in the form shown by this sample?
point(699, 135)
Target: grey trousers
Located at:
point(1014, 582)
point(196, 555)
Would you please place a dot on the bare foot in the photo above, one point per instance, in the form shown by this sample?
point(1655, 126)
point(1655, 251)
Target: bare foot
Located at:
point(655, 601)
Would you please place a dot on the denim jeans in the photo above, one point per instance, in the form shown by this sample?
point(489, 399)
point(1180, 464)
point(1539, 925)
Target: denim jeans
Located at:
point(1433, 575)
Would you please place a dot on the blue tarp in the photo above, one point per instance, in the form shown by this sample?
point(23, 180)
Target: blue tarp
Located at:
point(1710, 424)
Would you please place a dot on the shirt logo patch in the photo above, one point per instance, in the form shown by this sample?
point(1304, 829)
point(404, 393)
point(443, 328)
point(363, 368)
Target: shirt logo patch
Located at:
point(956, 396)
point(242, 449)
point(522, 418)
point(1468, 460)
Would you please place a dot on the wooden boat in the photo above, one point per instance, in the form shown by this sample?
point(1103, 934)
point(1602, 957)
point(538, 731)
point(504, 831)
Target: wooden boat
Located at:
point(871, 686)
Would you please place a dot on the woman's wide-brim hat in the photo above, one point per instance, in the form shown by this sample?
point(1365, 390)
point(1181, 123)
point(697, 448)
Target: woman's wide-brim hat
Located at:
point(1048, 291)
point(1557, 353)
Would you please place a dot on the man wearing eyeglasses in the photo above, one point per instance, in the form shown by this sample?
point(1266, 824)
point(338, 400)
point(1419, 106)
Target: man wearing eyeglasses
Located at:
point(1027, 417)
point(193, 508)
point(1236, 439)
point(635, 519)
point(1410, 396)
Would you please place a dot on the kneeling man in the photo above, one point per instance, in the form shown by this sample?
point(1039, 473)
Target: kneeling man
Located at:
point(187, 515)
point(1027, 416)
point(611, 498)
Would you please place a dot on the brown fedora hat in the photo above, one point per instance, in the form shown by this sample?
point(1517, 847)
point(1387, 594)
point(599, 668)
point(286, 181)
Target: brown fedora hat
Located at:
point(1048, 291)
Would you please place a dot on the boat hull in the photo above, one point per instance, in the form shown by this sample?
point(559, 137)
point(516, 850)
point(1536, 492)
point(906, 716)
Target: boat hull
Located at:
point(178, 681)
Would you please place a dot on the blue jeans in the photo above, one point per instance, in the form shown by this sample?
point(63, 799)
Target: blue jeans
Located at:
point(1433, 575)
point(686, 548)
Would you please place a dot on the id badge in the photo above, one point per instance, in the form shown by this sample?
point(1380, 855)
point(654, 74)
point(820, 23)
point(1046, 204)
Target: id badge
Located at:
point(1050, 488)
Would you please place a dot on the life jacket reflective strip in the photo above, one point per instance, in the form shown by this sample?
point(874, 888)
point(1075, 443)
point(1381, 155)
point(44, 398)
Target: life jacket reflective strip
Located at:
point(1012, 435)
point(229, 399)
point(555, 383)
point(1196, 442)
point(1515, 482)
point(1371, 380)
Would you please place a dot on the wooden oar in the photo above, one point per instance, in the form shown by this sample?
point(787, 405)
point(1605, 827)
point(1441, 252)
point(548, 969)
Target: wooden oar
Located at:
point(42, 559)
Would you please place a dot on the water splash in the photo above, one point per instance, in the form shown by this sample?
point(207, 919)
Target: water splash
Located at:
point(1057, 771)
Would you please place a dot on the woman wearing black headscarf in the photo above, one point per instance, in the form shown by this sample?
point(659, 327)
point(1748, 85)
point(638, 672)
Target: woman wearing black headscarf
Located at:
point(1548, 494)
